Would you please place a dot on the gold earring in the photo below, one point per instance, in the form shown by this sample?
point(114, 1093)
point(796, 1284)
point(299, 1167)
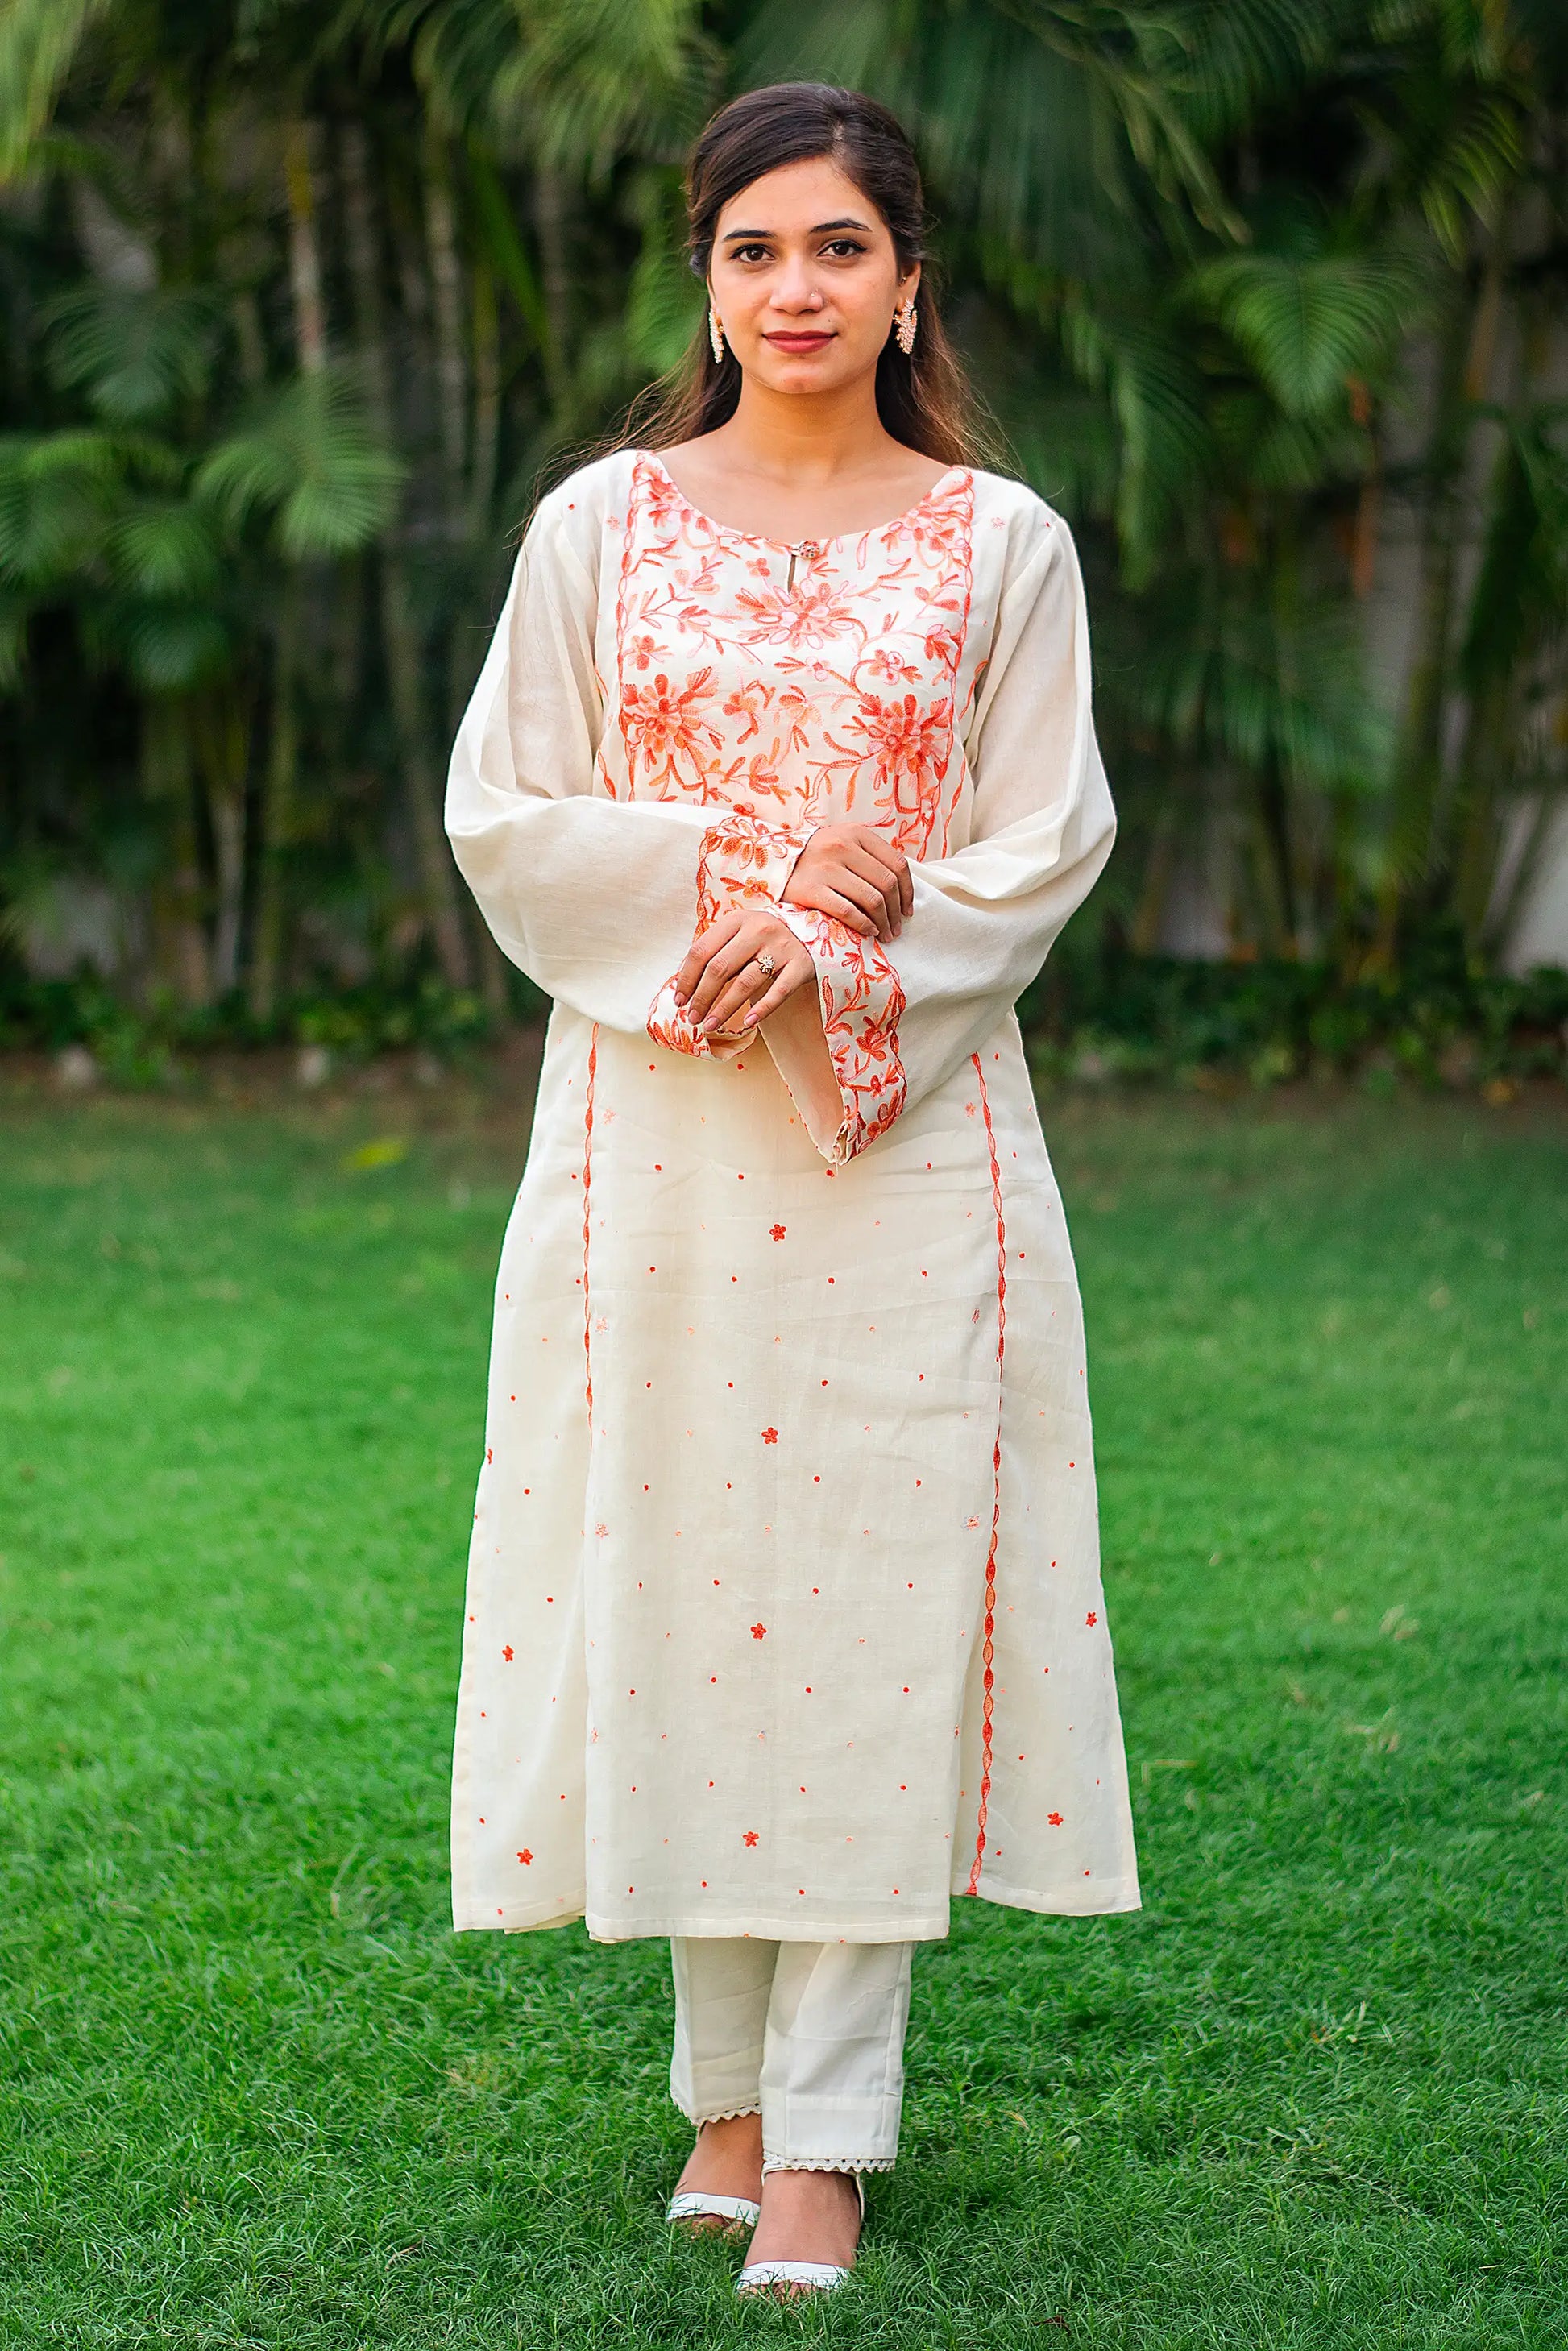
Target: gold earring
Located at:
point(714, 333)
point(906, 320)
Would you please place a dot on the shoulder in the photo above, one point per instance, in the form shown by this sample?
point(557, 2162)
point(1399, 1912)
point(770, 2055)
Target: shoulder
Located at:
point(1021, 542)
point(1017, 517)
point(570, 519)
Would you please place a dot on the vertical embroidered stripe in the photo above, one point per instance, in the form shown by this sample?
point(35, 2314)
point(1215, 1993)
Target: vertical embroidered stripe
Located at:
point(955, 662)
point(988, 1649)
point(587, 1186)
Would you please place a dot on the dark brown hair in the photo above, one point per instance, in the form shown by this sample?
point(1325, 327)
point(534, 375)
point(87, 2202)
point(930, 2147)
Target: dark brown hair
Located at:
point(923, 399)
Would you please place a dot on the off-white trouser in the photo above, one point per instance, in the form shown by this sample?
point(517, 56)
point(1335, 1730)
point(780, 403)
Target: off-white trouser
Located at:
point(809, 2035)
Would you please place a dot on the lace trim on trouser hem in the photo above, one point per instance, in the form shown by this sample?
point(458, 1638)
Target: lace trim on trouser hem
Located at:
point(724, 2115)
point(826, 2163)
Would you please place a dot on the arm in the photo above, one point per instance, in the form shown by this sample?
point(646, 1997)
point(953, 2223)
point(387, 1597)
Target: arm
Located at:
point(899, 1018)
point(591, 897)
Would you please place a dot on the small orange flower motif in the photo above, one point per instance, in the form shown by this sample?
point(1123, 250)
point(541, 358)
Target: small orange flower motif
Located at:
point(1055, 1819)
point(525, 1856)
point(1092, 1618)
point(507, 1653)
point(770, 1436)
point(776, 1232)
point(757, 1631)
point(749, 1838)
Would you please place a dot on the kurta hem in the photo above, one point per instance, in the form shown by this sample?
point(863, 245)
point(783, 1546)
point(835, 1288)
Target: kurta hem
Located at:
point(922, 1927)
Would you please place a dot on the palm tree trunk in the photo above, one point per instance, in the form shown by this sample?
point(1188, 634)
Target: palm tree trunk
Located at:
point(180, 943)
point(1466, 355)
point(400, 634)
point(549, 216)
point(446, 287)
point(304, 248)
point(219, 721)
point(276, 810)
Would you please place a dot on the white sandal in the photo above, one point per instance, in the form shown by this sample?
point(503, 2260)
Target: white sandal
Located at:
point(815, 2277)
point(695, 2204)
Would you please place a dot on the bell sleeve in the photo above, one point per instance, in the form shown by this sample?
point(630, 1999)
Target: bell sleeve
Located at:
point(900, 1017)
point(591, 896)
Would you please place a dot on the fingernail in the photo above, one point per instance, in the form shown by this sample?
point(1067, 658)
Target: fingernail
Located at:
point(749, 1022)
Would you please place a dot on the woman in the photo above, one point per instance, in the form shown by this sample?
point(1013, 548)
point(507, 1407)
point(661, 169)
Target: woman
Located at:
point(784, 1619)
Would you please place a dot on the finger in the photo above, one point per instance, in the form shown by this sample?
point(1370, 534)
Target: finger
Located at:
point(725, 1009)
point(881, 875)
point(831, 902)
point(864, 895)
point(821, 898)
point(722, 969)
point(707, 943)
point(786, 982)
point(891, 856)
point(884, 881)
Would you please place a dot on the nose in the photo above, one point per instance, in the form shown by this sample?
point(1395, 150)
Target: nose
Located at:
point(795, 290)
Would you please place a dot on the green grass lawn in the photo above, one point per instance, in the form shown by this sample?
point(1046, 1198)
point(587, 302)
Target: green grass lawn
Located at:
point(253, 2092)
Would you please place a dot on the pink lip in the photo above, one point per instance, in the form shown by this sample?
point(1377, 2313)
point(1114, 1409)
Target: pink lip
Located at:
point(801, 342)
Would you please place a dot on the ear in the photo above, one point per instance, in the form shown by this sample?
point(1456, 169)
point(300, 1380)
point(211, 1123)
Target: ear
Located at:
point(908, 287)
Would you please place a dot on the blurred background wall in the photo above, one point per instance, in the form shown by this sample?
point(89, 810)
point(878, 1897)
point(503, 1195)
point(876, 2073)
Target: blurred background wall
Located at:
point(302, 303)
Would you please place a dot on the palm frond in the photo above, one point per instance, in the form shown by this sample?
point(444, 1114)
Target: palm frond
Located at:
point(135, 355)
point(163, 644)
point(1227, 677)
point(664, 307)
point(592, 81)
point(164, 548)
point(1308, 323)
point(310, 464)
point(53, 503)
point(39, 40)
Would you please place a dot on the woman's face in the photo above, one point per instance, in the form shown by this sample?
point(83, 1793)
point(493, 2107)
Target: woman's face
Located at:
point(805, 279)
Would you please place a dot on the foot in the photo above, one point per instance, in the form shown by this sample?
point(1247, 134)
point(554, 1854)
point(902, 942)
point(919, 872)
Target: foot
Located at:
point(806, 2216)
point(726, 2161)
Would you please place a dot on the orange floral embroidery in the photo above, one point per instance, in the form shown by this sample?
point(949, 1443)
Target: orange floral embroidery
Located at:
point(844, 680)
point(862, 1006)
point(668, 735)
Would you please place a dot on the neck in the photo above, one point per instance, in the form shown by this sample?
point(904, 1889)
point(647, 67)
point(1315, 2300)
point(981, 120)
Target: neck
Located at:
point(815, 437)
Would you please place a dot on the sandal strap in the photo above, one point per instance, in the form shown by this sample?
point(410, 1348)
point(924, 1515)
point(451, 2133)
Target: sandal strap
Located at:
point(692, 2204)
point(823, 2275)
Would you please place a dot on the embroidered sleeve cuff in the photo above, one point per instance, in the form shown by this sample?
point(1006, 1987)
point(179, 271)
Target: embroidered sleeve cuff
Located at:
point(745, 863)
point(860, 1004)
point(742, 863)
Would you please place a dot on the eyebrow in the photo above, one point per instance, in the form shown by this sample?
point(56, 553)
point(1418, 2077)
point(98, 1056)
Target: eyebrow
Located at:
point(822, 229)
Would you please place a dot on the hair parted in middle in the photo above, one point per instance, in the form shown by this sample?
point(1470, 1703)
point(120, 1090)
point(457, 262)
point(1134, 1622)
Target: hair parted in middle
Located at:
point(922, 396)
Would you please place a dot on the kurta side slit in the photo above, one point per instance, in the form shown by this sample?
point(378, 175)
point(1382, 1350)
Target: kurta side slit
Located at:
point(784, 1613)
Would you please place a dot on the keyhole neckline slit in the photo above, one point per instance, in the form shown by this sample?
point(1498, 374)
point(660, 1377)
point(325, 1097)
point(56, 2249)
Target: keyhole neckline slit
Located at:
point(799, 547)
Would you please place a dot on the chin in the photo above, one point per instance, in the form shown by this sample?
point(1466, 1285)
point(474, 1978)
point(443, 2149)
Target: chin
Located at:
point(810, 371)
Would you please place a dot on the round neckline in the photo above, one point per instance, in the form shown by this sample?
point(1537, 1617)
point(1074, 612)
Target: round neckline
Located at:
point(788, 546)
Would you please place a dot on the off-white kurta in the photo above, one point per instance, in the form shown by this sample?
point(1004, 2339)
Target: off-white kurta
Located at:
point(784, 1613)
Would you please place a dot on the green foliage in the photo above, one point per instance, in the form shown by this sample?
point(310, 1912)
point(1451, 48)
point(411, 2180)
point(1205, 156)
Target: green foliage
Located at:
point(306, 460)
point(302, 307)
point(135, 355)
point(38, 45)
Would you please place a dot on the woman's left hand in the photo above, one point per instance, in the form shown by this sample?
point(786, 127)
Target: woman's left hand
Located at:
point(742, 960)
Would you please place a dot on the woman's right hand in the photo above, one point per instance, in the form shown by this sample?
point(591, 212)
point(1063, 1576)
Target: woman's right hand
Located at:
point(856, 874)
